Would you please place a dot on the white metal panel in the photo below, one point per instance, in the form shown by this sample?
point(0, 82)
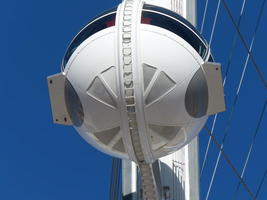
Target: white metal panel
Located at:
point(178, 6)
point(215, 87)
point(56, 86)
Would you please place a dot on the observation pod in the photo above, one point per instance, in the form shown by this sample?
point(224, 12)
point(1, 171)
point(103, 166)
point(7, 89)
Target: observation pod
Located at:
point(138, 82)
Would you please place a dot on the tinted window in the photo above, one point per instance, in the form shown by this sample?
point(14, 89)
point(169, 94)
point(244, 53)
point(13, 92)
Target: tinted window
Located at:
point(179, 26)
point(197, 97)
point(73, 104)
point(171, 14)
point(93, 27)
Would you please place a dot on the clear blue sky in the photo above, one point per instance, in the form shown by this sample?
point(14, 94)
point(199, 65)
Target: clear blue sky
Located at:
point(43, 161)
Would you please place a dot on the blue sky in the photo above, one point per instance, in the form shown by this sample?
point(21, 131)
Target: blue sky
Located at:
point(43, 161)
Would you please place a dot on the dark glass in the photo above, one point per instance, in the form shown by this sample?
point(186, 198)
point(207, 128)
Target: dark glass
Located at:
point(197, 97)
point(172, 14)
point(179, 26)
point(73, 104)
point(94, 26)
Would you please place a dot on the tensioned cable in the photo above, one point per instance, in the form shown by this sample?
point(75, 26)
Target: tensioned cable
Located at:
point(253, 38)
point(224, 138)
point(211, 37)
point(119, 183)
point(261, 76)
point(227, 70)
point(215, 21)
point(115, 179)
point(204, 16)
point(251, 146)
point(229, 162)
point(235, 102)
point(208, 146)
point(115, 192)
point(111, 187)
point(234, 42)
point(261, 183)
point(224, 82)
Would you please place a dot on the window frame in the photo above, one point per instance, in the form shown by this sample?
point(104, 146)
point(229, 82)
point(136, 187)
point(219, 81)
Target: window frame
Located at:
point(179, 19)
point(73, 47)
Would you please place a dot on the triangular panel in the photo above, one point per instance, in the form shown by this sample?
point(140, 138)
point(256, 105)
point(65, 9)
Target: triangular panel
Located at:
point(98, 90)
point(148, 73)
point(106, 136)
point(162, 85)
point(166, 132)
point(119, 146)
point(109, 77)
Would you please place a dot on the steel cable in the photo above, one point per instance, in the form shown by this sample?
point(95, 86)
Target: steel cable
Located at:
point(261, 183)
point(260, 74)
point(235, 100)
point(229, 162)
point(204, 16)
point(115, 181)
point(251, 147)
point(214, 22)
point(224, 82)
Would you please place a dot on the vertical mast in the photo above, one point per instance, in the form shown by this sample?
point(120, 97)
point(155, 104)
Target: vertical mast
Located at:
point(179, 172)
point(185, 8)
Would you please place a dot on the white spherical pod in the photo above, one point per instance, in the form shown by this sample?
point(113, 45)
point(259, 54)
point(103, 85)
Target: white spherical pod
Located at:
point(137, 81)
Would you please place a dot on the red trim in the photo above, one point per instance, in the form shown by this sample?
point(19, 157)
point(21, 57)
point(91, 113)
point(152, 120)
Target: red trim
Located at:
point(146, 20)
point(110, 23)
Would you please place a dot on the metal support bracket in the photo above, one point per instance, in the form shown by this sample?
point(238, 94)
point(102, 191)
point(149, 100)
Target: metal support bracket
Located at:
point(56, 87)
point(215, 87)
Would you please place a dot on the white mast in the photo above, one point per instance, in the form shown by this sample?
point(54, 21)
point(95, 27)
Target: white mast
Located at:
point(179, 172)
point(186, 8)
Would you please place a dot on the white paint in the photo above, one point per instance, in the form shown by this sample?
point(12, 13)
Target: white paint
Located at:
point(182, 156)
point(177, 6)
